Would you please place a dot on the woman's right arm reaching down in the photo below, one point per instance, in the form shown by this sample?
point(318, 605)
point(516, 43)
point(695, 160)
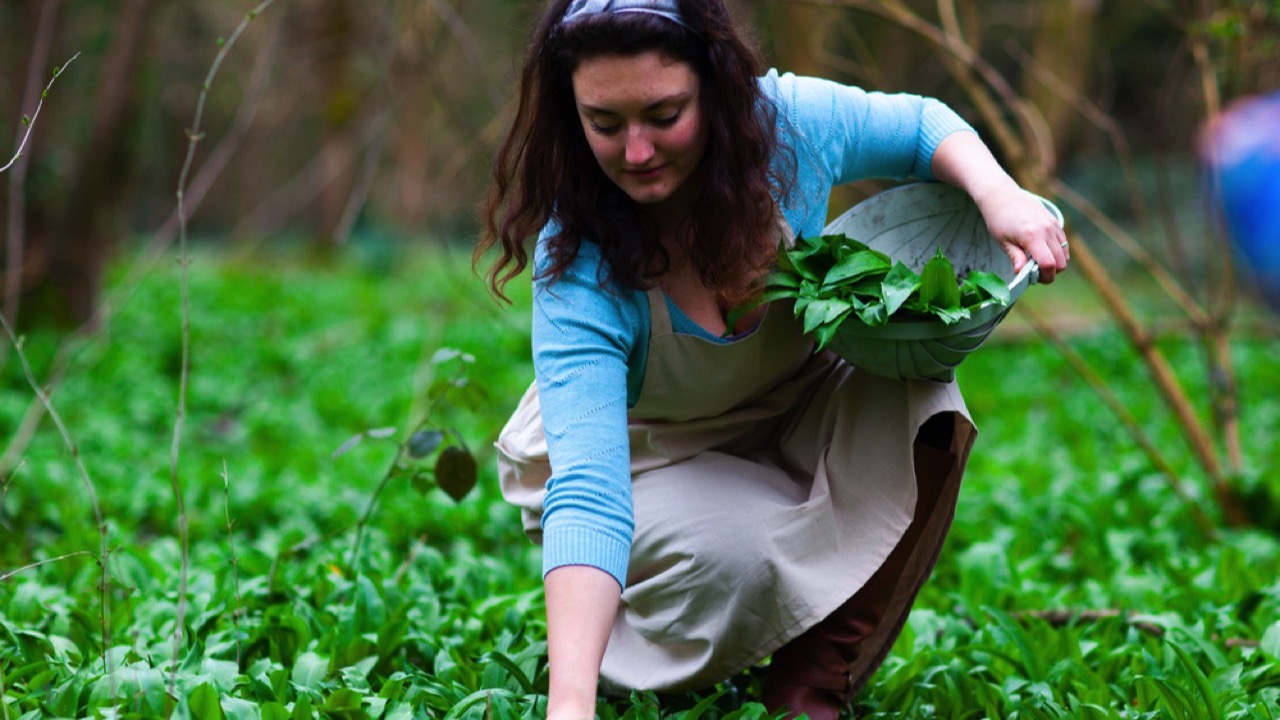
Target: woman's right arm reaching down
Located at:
point(581, 604)
point(583, 337)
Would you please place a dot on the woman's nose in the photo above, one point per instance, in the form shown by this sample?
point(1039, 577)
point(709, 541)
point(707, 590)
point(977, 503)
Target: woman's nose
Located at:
point(639, 147)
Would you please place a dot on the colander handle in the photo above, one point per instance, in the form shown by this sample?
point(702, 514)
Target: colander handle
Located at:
point(1031, 271)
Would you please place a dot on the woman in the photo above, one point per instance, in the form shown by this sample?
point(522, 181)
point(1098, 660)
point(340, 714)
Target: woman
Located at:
point(708, 496)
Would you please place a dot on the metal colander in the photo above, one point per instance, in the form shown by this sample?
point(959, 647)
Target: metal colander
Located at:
point(910, 223)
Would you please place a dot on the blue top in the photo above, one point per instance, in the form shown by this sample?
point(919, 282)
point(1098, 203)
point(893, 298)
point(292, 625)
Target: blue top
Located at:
point(590, 344)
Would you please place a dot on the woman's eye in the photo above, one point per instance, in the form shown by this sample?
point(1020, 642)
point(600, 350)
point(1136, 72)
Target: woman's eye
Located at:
point(604, 129)
point(666, 121)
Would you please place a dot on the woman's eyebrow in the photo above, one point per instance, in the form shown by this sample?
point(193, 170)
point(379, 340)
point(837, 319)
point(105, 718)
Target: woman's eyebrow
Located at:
point(668, 100)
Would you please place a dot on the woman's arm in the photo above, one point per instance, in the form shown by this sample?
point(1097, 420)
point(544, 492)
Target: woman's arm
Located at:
point(1017, 220)
point(581, 604)
point(583, 338)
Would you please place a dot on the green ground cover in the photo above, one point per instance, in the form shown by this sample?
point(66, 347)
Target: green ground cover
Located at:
point(441, 615)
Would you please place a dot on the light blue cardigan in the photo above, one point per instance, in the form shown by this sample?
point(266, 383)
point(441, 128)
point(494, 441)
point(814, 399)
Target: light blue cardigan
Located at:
point(590, 343)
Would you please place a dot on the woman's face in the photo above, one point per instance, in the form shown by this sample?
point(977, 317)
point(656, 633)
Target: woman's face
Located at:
point(642, 117)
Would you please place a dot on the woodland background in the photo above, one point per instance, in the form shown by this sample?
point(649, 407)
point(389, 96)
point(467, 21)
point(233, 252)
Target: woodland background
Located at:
point(334, 117)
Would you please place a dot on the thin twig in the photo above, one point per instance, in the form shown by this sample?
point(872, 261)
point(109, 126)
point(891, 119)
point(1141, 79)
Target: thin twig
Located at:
point(35, 565)
point(1061, 617)
point(15, 244)
point(194, 136)
point(235, 564)
point(220, 157)
point(4, 492)
point(409, 557)
point(1090, 111)
point(1162, 374)
point(1095, 381)
point(470, 46)
point(1123, 240)
point(31, 121)
point(89, 490)
point(387, 477)
point(92, 328)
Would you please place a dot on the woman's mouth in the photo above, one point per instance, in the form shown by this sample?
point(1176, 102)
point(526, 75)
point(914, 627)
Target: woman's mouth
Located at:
point(647, 173)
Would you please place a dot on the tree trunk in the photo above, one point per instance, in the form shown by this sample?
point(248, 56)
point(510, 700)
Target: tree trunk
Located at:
point(104, 169)
point(330, 31)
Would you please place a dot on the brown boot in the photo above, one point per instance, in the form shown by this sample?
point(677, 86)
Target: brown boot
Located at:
point(811, 674)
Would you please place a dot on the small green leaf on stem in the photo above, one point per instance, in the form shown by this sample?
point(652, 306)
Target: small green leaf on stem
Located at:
point(26, 120)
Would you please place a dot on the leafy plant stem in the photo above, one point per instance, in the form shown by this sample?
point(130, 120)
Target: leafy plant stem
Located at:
point(193, 139)
point(105, 584)
point(235, 564)
point(387, 477)
point(31, 123)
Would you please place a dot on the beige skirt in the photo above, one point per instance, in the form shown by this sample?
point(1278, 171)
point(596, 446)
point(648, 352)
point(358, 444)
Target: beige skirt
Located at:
point(768, 486)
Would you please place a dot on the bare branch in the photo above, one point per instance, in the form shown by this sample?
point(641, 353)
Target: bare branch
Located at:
point(1148, 446)
point(30, 122)
point(194, 136)
point(5, 577)
point(15, 244)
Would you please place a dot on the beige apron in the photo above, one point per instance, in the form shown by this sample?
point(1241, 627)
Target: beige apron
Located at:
point(769, 483)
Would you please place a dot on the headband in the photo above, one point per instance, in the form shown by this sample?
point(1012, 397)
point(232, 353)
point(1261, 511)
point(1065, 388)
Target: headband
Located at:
point(578, 9)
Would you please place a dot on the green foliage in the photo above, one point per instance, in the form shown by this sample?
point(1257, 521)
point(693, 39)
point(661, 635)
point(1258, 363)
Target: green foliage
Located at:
point(834, 278)
point(441, 615)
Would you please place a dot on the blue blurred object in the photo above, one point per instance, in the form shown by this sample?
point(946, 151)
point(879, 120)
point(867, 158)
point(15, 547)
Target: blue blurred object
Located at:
point(1243, 147)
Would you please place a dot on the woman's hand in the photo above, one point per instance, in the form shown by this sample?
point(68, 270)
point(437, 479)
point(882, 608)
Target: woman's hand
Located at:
point(1015, 218)
point(1024, 228)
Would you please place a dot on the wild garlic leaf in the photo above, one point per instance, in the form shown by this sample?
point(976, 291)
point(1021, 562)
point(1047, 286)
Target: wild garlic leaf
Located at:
point(873, 314)
point(855, 267)
point(897, 286)
point(782, 279)
point(825, 333)
point(938, 285)
point(989, 285)
point(951, 316)
point(832, 277)
point(823, 311)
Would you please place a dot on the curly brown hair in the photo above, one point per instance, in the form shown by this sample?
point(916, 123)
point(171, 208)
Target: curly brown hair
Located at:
point(545, 170)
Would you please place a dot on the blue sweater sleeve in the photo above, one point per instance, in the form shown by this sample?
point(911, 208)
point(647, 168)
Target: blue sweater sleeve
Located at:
point(860, 134)
point(584, 338)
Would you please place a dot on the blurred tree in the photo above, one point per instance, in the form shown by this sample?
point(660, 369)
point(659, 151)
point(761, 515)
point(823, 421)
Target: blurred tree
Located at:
point(105, 163)
point(388, 111)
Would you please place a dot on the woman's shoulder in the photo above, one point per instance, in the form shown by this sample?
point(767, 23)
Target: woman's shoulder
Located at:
point(799, 93)
point(584, 287)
